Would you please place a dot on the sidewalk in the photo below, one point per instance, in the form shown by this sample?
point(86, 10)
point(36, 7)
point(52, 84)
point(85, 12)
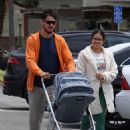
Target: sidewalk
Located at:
point(14, 102)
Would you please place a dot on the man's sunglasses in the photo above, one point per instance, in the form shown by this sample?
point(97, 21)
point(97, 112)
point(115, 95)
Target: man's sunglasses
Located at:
point(51, 22)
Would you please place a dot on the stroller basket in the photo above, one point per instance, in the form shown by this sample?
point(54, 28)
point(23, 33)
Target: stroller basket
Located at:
point(73, 94)
point(72, 107)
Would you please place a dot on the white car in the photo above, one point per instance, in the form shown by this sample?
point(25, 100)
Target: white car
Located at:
point(122, 99)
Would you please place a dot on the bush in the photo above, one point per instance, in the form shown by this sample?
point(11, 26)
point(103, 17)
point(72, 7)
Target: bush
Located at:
point(3, 59)
point(2, 73)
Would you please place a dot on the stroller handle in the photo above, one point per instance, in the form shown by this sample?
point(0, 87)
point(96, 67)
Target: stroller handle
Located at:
point(53, 74)
point(49, 103)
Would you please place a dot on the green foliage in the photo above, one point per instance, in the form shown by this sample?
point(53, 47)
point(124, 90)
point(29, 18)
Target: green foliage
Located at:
point(2, 73)
point(27, 3)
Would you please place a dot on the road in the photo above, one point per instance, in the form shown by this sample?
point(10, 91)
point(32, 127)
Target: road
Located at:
point(14, 113)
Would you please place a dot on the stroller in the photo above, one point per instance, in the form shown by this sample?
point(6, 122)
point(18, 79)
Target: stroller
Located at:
point(73, 95)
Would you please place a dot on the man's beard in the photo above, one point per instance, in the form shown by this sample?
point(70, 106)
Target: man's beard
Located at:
point(49, 32)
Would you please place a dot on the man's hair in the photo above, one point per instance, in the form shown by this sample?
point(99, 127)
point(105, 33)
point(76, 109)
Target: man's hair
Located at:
point(49, 12)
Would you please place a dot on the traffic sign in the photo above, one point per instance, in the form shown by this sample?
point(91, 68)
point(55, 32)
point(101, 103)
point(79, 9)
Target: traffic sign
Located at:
point(117, 13)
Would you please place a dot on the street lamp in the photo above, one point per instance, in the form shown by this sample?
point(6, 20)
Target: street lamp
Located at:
point(20, 32)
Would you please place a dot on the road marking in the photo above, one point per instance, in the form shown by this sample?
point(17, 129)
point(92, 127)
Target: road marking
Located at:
point(2, 110)
point(9, 110)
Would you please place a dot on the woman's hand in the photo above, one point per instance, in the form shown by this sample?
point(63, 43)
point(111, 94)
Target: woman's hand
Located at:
point(100, 76)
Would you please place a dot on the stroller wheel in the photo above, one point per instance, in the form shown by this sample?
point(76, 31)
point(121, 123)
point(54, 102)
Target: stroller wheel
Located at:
point(51, 123)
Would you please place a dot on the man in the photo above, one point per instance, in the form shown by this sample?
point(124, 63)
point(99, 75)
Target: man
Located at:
point(46, 53)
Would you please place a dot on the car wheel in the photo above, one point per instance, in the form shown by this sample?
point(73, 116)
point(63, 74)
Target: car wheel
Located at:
point(115, 122)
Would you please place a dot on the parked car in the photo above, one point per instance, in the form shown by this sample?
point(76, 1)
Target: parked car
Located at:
point(77, 40)
point(122, 99)
point(16, 73)
point(122, 56)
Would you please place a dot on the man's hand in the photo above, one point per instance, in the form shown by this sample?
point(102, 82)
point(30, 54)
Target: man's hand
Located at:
point(45, 75)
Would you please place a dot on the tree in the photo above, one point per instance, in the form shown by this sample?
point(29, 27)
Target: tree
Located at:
point(2, 14)
point(11, 24)
point(26, 3)
point(21, 3)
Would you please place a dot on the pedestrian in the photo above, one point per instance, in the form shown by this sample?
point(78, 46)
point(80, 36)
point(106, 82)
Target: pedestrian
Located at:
point(46, 53)
point(99, 64)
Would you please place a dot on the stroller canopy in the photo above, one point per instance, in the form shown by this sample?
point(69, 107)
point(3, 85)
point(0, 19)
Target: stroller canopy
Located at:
point(67, 82)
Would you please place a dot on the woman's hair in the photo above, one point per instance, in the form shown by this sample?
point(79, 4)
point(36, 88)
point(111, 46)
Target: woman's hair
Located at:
point(49, 12)
point(100, 32)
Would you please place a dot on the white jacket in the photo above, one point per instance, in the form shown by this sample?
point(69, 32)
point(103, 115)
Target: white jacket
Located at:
point(86, 64)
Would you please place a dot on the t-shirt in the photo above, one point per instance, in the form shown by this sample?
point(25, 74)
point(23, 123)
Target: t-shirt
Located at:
point(48, 60)
point(100, 61)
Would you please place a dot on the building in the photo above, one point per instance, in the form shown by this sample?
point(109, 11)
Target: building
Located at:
point(73, 15)
point(81, 14)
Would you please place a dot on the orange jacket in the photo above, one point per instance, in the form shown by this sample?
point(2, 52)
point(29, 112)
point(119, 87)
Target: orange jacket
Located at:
point(32, 53)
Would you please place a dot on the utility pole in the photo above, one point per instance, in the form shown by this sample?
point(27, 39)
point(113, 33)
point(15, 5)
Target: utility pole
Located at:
point(11, 25)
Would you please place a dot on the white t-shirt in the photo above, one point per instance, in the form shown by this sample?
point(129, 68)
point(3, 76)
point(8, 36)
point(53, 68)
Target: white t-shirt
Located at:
point(100, 61)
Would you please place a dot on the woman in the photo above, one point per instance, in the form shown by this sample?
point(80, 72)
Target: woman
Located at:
point(99, 64)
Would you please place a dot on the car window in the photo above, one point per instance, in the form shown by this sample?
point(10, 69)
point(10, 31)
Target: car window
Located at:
point(114, 39)
point(77, 43)
point(126, 62)
point(121, 56)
